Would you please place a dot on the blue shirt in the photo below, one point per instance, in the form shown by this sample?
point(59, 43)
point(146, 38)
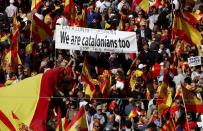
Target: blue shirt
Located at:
point(91, 16)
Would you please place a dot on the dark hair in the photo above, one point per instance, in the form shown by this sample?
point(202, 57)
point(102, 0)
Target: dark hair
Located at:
point(188, 80)
point(128, 124)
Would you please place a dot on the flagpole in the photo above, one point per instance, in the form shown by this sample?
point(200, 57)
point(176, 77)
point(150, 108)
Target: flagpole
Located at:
point(185, 108)
point(31, 27)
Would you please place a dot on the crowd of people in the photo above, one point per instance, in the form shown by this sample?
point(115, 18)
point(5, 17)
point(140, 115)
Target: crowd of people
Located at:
point(135, 78)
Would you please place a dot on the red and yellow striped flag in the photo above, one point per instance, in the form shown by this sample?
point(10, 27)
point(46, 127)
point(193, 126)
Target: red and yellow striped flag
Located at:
point(19, 125)
point(12, 57)
point(133, 113)
point(186, 31)
point(143, 4)
point(78, 122)
point(105, 82)
point(36, 4)
point(87, 78)
point(164, 96)
point(4, 37)
point(192, 102)
point(169, 125)
point(30, 102)
point(70, 9)
point(39, 30)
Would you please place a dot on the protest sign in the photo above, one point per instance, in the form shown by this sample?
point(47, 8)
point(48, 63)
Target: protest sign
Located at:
point(194, 61)
point(96, 40)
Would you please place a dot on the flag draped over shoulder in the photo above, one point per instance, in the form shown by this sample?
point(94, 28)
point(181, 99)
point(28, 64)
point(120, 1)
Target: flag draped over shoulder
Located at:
point(86, 77)
point(39, 30)
point(186, 31)
point(29, 100)
point(78, 122)
point(143, 4)
point(36, 4)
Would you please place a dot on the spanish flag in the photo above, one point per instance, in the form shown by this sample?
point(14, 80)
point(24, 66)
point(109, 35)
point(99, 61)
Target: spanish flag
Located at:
point(78, 122)
point(143, 4)
point(164, 96)
point(12, 57)
point(133, 113)
point(4, 38)
point(169, 125)
point(39, 30)
point(29, 100)
point(105, 82)
point(192, 102)
point(36, 4)
point(190, 17)
point(86, 77)
point(70, 9)
point(15, 38)
point(19, 124)
point(186, 31)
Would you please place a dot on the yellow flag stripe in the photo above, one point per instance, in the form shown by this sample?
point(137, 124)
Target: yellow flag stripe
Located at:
point(21, 98)
point(144, 4)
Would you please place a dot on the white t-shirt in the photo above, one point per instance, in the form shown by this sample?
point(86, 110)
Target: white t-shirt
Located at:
point(98, 4)
point(62, 21)
point(11, 10)
point(119, 85)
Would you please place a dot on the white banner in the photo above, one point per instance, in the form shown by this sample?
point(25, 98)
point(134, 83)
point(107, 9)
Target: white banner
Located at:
point(194, 61)
point(86, 39)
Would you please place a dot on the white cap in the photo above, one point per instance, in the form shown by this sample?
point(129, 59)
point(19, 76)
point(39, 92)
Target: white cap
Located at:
point(162, 63)
point(140, 66)
point(130, 16)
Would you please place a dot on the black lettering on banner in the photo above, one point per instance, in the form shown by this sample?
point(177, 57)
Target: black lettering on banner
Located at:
point(115, 44)
point(119, 42)
point(98, 42)
point(123, 43)
point(86, 41)
point(83, 43)
point(89, 40)
point(112, 43)
point(127, 44)
point(64, 37)
point(78, 40)
point(72, 40)
point(92, 42)
point(102, 43)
